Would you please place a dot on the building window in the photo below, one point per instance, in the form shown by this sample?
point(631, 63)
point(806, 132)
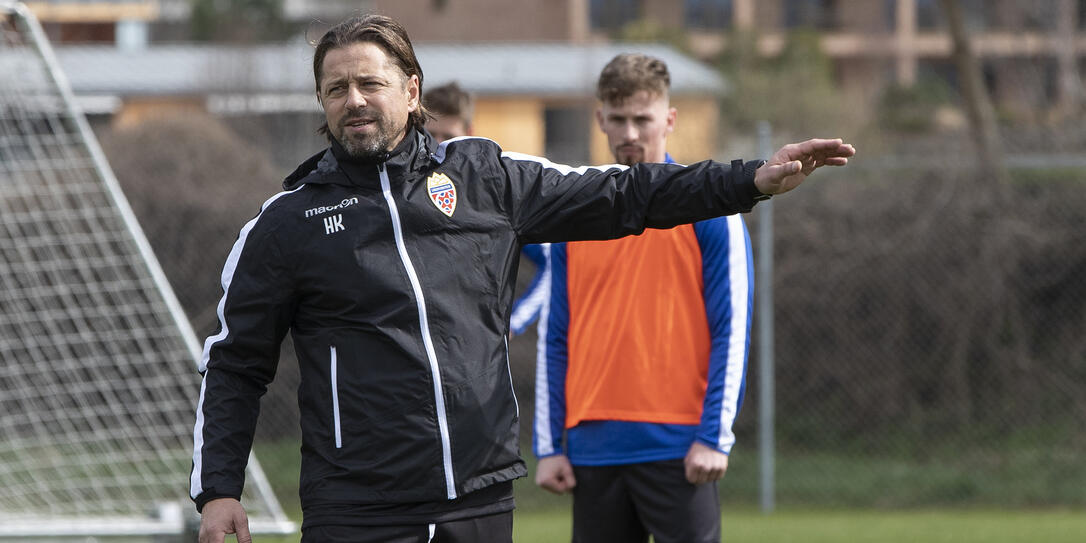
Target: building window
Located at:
point(709, 14)
point(820, 14)
point(976, 15)
point(889, 13)
point(80, 32)
point(566, 132)
point(613, 14)
point(1040, 15)
point(1023, 84)
point(929, 15)
point(1034, 15)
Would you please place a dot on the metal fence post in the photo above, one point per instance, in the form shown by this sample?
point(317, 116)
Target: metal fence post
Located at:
point(764, 295)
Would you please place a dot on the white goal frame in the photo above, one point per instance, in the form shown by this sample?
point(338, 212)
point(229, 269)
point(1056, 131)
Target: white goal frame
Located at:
point(174, 517)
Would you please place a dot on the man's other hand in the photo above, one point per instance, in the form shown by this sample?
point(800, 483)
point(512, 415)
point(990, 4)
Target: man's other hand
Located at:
point(555, 473)
point(704, 464)
point(223, 516)
point(791, 165)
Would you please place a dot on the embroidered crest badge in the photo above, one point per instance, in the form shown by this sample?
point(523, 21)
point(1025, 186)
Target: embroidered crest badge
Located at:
point(442, 192)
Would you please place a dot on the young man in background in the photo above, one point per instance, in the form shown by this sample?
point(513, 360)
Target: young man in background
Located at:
point(644, 350)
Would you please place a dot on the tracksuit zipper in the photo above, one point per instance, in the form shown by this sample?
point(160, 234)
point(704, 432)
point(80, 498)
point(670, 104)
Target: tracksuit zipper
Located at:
point(427, 340)
point(333, 369)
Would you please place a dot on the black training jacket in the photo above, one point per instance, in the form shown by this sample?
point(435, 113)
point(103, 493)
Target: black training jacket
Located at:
point(396, 281)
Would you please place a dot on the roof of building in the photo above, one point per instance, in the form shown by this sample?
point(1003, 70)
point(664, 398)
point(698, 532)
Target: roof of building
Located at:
point(492, 69)
point(554, 69)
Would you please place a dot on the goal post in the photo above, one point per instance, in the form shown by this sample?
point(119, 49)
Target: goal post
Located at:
point(97, 357)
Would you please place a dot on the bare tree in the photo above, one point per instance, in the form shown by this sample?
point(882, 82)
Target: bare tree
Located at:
point(978, 106)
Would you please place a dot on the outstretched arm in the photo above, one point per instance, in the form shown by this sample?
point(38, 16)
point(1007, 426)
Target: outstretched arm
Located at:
point(554, 202)
point(791, 164)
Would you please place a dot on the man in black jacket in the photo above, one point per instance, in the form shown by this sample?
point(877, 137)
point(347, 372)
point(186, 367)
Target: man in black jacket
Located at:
point(392, 262)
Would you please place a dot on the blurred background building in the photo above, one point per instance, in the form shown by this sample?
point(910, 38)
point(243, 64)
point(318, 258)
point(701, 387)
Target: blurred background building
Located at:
point(929, 348)
point(1031, 55)
point(872, 43)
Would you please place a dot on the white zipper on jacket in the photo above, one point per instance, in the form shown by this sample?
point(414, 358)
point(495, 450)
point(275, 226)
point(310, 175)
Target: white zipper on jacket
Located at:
point(427, 341)
point(333, 367)
point(509, 368)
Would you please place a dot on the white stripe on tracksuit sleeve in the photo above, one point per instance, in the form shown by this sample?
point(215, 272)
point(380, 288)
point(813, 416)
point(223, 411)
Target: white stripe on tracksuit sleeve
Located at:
point(728, 273)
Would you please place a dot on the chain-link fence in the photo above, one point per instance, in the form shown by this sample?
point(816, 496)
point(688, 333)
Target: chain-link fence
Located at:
point(929, 345)
point(928, 323)
point(929, 348)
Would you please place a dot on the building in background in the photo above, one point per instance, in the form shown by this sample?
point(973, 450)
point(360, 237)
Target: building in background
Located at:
point(135, 23)
point(131, 60)
point(530, 97)
point(539, 98)
point(124, 23)
point(1033, 53)
point(530, 62)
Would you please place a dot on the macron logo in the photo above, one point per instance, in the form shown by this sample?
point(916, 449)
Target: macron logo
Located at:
point(333, 224)
point(325, 209)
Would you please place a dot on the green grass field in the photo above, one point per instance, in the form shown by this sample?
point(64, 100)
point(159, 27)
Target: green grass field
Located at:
point(545, 518)
point(837, 526)
point(873, 500)
point(740, 526)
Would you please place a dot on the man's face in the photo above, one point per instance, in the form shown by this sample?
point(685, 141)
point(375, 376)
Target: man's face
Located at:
point(637, 127)
point(366, 99)
point(447, 127)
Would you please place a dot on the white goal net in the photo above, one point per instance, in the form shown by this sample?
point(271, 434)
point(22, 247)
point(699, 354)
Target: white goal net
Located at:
point(97, 359)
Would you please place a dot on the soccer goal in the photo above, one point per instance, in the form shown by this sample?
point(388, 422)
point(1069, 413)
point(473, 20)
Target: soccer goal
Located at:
point(97, 360)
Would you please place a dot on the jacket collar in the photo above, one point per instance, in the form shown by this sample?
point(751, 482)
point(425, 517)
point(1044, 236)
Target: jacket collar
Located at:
point(335, 166)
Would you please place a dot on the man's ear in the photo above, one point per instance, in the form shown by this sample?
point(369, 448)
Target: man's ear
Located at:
point(672, 114)
point(599, 116)
point(412, 85)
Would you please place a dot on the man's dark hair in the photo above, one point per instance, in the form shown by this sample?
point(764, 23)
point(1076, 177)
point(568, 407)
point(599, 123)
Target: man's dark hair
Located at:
point(449, 100)
point(382, 31)
point(629, 73)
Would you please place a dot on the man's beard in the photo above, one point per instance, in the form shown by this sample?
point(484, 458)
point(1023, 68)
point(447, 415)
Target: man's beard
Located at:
point(627, 156)
point(371, 148)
